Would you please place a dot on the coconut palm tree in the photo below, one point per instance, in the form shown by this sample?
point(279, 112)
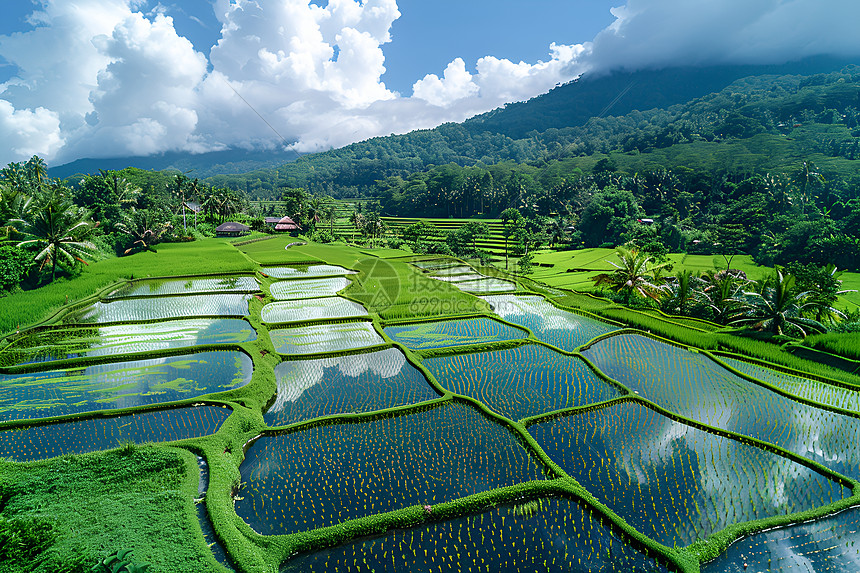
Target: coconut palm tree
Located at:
point(145, 227)
point(719, 291)
point(778, 309)
point(631, 275)
point(59, 232)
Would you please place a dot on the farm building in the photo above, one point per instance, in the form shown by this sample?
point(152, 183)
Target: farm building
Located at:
point(231, 229)
point(283, 225)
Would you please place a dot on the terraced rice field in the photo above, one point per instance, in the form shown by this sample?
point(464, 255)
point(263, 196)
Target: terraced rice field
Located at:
point(673, 482)
point(308, 288)
point(185, 286)
point(306, 272)
point(830, 544)
point(113, 385)
point(451, 333)
point(561, 328)
point(546, 534)
point(327, 474)
point(313, 309)
point(79, 437)
point(354, 427)
point(696, 387)
point(542, 381)
point(345, 384)
point(162, 308)
point(77, 342)
point(806, 388)
point(320, 338)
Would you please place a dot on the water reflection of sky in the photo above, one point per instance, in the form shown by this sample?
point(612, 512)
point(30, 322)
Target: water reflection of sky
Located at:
point(324, 338)
point(186, 286)
point(829, 545)
point(121, 384)
point(160, 308)
point(312, 309)
point(62, 343)
point(563, 329)
point(694, 386)
point(447, 333)
point(674, 482)
point(357, 383)
point(308, 288)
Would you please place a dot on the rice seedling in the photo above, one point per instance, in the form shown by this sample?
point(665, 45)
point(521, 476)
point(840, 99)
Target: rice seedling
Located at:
point(161, 308)
point(694, 386)
point(82, 436)
point(121, 384)
point(541, 380)
point(327, 474)
point(74, 342)
point(673, 482)
point(312, 309)
point(845, 344)
point(448, 333)
point(308, 288)
point(561, 536)
point(807, 388)
point(306, 271)
point(561, 328)
point(345, 384)
point(163, 287)
point(321, 338)
point(830, 544)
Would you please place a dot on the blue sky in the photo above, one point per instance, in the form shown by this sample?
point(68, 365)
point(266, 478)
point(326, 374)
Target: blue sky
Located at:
point(100, 78)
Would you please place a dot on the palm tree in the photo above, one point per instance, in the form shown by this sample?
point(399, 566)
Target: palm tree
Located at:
point(718, 290)
point(509, 216)
point(145, 227)
point(778, 309)
point(631, 275)
point(678, 296)
point(59, 232)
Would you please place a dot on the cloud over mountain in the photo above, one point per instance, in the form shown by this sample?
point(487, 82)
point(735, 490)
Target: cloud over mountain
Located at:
point(104, 78)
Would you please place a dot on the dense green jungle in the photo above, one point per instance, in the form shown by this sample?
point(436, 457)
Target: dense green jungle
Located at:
point(614, 328)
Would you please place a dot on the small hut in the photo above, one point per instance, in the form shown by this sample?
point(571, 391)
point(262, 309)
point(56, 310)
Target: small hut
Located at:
point(231, 229)
point(287, 225)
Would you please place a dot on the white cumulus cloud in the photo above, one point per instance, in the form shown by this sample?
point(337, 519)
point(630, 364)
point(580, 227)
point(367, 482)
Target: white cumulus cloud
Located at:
point(101, 78)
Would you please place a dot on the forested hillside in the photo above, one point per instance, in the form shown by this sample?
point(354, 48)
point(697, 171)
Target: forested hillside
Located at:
point(761, 123)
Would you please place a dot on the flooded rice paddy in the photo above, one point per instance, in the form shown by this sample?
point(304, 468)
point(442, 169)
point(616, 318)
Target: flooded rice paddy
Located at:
point(345, 384)
point(162, 308)
point(667, 479)
point(561, 328)
point(82, 436)
point(332, 307)
point(77, 342)
point(306, 272)
point(327, 474)
point(319, 338)
point(692, 385)
point(449, 333)
point(309, 288)
point(535, 535)
point(185, 286)
point(114, 385)
point(521, 382)
point(673, 482)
